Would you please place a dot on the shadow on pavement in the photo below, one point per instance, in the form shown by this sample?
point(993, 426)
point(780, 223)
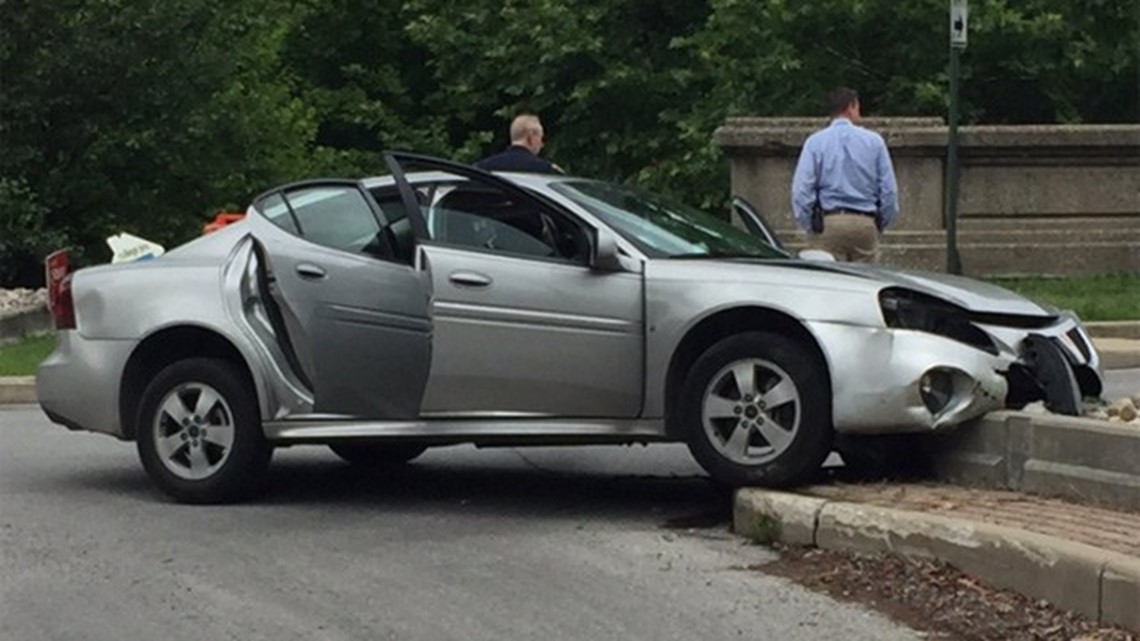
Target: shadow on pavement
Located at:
point(496, 491)
point(438, 486)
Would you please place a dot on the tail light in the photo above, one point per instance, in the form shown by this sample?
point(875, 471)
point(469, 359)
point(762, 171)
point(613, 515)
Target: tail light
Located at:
point(58, 267)
point(63, 309)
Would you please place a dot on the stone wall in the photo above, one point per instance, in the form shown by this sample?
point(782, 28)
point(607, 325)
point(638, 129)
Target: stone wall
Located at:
point(1033, 199)
point(1089, 461)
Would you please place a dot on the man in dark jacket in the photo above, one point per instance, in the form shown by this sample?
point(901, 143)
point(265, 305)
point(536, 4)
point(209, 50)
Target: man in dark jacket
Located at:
point(522, 155)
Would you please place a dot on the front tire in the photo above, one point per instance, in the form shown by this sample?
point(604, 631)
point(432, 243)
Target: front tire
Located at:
point(756, 410)
point(199, 432)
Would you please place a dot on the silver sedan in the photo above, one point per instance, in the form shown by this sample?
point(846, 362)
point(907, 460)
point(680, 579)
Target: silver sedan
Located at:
point(441, 304)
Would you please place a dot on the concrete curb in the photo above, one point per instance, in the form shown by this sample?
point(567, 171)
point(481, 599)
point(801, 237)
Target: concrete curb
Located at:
point(1118, 353)
point(1100, 584)
point(1114, 329)
point(17, 389)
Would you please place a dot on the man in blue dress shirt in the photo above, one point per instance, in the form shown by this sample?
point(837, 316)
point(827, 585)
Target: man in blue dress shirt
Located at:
point(845, 171)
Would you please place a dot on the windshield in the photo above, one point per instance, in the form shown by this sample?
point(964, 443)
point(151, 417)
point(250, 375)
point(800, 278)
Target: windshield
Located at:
point(661, 227)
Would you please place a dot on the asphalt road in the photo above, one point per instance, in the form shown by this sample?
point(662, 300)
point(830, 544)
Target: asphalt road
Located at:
point(1119, 383)
point(551, 544)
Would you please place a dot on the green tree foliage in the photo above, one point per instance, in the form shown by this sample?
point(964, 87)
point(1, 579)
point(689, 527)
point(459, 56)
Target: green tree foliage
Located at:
point(147, 116)
point(359, 70)
point(23, 235)
point(633, 89)
point(142, 116)
point(1037, 61)
point(605, 78)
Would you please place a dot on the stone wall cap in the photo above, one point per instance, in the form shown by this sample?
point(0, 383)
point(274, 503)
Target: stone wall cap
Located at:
point(816, 122)
point(778, 134)
point(1078, 423)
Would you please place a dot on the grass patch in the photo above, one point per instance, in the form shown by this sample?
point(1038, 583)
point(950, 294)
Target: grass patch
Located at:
point(1115, 297)
point(22, 359)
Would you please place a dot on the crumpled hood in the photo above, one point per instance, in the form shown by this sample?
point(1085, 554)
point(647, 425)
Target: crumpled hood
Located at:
point(974, 295)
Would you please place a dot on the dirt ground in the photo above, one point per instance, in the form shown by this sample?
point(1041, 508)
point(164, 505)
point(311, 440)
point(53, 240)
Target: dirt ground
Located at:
point(935, 599)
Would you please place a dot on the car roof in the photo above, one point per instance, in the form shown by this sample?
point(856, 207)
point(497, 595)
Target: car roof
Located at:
point(519, 178)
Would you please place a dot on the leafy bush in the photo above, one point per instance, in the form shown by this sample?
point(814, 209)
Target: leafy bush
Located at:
point(24, 240)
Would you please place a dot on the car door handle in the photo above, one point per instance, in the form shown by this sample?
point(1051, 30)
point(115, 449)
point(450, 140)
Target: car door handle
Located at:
point(470, 279)
point(310, 271)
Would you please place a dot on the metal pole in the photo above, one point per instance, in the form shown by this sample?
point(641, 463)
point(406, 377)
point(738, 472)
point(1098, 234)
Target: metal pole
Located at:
point(953, 261)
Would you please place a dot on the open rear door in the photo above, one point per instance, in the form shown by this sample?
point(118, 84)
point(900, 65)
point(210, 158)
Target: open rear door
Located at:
point(355, 311)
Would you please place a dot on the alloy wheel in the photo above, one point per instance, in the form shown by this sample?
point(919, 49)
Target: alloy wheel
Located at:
point(193, 431)
point(751, 411)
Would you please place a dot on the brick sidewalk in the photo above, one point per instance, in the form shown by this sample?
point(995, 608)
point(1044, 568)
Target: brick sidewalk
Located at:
point(1099, 527)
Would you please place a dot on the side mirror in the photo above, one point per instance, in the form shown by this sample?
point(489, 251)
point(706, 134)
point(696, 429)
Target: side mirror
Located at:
point(605, 254)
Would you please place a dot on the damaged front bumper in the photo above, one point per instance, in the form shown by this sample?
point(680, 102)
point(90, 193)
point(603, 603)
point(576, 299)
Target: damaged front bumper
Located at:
point(895, 380)
point(1057, 364)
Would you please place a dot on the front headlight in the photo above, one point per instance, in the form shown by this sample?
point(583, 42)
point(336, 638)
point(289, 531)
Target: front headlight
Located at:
point(906, 309)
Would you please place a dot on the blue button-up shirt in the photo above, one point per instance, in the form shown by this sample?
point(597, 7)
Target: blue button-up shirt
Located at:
point(845, 167)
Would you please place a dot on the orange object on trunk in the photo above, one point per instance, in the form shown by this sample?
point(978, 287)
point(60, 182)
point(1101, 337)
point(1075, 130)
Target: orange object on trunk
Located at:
point(221, 220)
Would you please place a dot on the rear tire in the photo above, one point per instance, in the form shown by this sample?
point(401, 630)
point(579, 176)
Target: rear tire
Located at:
point(756, 410)
point(377, 455)
point(199, 432)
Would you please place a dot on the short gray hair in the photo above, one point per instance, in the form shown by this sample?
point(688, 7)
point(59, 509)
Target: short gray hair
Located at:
point(524, 124)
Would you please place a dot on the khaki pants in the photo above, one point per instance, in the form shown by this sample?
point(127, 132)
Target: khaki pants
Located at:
point(849, 237)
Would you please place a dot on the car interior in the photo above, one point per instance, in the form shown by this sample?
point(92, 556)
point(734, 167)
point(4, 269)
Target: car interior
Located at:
point(458, 212)
point(468, 214)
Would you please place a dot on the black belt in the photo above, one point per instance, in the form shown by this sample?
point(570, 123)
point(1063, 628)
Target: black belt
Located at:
point(851, 211)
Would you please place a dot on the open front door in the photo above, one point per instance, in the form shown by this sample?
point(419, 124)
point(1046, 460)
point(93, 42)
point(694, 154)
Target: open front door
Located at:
point(352, 309)
point(523, 325)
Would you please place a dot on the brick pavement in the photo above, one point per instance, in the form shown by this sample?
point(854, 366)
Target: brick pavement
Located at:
point(1108, 529)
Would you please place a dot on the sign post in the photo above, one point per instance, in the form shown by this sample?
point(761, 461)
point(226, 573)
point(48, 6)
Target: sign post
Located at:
point(958, 21)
